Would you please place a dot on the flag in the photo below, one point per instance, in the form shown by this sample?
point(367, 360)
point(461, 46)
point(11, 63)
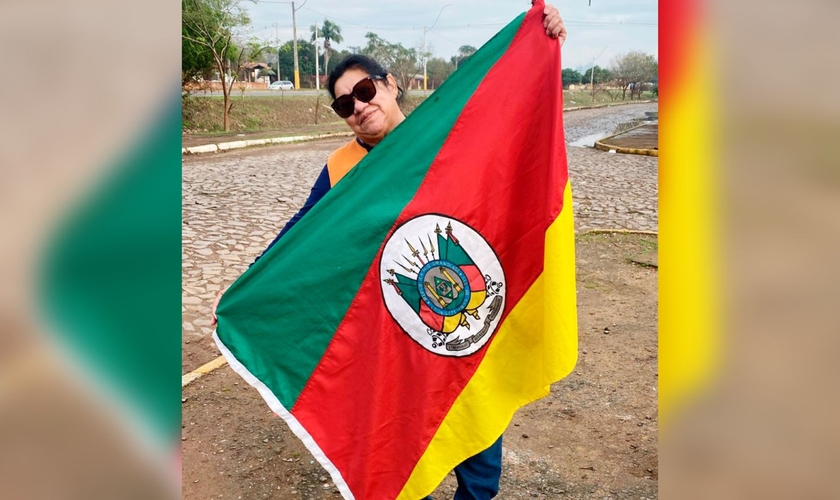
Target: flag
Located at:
point(431, 293)
point(689, 318)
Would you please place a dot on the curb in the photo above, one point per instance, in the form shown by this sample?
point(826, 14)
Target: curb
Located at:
point(202, 370)
point(226, 146)
point(602, 146)
point(608, 105)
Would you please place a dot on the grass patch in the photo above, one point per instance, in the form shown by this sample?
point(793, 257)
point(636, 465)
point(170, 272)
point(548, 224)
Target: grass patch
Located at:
point(640, 249)
point(649, 245)
point(594, 285)
point(202, 115)
point(577, 98)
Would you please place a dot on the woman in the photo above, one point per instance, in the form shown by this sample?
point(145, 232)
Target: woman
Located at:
point(367, 97)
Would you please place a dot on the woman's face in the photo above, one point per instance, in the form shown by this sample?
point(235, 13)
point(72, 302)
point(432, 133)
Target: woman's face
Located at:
point(371, 121)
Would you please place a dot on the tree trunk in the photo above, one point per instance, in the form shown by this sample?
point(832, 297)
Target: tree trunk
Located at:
point(326, 61)
point(226, 88)
point(226, 112)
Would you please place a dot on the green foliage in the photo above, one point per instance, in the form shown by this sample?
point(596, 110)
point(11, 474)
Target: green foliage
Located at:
point(633, 70)
point(331, 33)
point(571, 76)
point(400, 61)
point(306, 62)
point(337, 57)
point(214, 24)
point(464, 53)
point(602, 75)
point(290, 115)
point(438, 70)
point(196, 60)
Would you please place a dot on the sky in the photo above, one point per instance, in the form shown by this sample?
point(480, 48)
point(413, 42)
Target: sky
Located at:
point(601, 31)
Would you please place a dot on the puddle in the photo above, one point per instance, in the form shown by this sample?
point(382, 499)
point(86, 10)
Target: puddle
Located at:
point(588, 141)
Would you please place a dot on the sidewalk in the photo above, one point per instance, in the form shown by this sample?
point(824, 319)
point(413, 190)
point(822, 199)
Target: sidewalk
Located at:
point(195, 144)
point(243, 143)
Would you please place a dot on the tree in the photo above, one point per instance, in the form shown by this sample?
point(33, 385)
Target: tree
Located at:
point(438, 70)
point(306, 60)
point(571, 76)
point(597, 76)
point(400, 61)
point(215, 24)
point(196, 61)
point(249, 55)
point(340, 55)
point(602, 75)
point(330, 32)
point(464, 53)
point(632, 70)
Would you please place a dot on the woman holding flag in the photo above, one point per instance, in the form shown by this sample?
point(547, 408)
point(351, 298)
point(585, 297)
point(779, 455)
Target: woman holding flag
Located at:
point(367, 97)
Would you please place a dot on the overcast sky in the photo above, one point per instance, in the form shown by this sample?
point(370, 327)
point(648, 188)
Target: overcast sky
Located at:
point(611, 26)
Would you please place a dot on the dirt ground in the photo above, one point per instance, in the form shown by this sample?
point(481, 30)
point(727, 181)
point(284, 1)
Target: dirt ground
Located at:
point(593, 437)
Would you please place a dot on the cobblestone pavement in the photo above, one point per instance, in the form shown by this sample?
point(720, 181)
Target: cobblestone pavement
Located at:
point(615, 191)
point(234, 204)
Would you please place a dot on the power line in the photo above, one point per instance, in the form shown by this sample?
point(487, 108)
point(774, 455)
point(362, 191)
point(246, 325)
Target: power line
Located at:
point(572, 22)
point(484, 26)
point(447, 39)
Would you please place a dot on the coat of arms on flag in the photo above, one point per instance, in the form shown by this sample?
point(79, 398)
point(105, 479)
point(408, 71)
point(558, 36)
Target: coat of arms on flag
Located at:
point(443, 284)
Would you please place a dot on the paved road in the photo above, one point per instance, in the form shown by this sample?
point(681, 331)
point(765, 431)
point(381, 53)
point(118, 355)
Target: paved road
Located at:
point(234, 204)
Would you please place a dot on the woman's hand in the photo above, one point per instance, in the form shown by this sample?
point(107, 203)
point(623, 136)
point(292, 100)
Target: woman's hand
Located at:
point(213, 318)
point(553, 23)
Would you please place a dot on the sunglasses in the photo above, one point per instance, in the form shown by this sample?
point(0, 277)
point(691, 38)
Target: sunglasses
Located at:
point(364, 91)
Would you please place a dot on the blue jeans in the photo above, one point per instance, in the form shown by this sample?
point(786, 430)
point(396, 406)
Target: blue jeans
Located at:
point(478, 476)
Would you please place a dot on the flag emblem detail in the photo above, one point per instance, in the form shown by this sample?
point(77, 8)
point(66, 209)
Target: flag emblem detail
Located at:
point(443, 284)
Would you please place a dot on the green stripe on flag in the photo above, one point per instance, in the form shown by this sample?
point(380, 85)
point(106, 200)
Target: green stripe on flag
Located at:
point(452, 252)
point(278, 318)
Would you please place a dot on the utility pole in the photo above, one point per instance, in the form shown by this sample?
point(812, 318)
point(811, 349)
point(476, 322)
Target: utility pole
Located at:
point(425, 55)
point(277, 44)
point(592, 74)
point(317, 69)
point(294, 34)
point(424, 58)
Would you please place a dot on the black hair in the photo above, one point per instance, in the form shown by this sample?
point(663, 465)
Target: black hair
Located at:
point(364, 63)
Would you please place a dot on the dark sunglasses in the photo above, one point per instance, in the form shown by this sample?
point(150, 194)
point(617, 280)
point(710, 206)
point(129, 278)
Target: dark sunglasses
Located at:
point(364, 91)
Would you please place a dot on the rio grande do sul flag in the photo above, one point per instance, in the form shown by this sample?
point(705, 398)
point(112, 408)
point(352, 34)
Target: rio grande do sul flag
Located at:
point(431, 293)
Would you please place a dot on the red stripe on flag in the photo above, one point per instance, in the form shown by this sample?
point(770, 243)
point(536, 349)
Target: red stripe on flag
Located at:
point(430, 317)
point(679, 21)
point(377, 397)
point(474, 278)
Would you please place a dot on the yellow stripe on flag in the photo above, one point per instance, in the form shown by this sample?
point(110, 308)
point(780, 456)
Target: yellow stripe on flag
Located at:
point(535, 346)
point(689, 314)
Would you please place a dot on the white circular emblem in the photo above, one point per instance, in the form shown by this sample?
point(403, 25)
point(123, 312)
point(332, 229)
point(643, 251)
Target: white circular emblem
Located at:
point(443, 284)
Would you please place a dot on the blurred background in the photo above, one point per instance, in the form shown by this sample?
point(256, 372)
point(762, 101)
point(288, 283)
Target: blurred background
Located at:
point(90, 260)
point(763, 423)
